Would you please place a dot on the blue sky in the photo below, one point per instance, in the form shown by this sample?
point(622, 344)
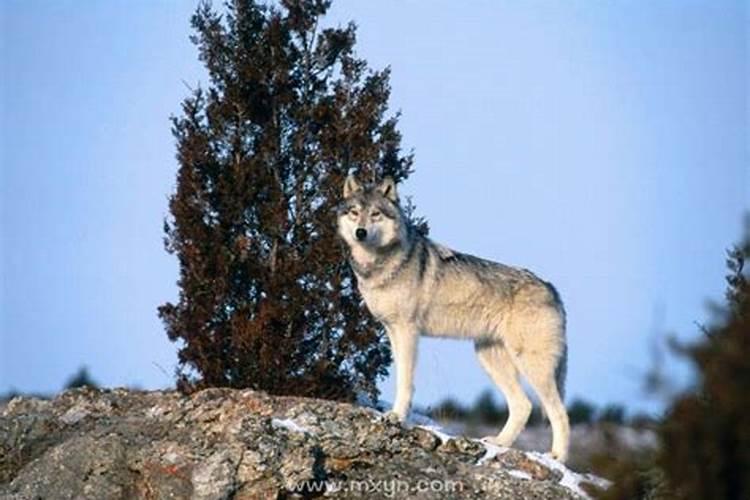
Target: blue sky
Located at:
point(603, 145)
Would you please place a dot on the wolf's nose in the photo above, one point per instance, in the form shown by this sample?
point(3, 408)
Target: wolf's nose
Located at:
point(360, 233)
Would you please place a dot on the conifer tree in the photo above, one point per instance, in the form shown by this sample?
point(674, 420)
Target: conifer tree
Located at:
point(267, 300)
point(706, 434)
point(704, 438)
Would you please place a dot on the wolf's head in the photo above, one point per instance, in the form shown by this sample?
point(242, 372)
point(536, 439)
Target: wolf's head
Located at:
point(370, 217)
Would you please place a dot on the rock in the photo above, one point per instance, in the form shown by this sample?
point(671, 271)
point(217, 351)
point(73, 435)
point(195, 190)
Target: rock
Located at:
point(222, 443)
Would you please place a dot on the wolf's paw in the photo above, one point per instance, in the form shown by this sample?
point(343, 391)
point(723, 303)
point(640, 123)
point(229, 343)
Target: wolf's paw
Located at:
point(394, 417)
point(557, 456)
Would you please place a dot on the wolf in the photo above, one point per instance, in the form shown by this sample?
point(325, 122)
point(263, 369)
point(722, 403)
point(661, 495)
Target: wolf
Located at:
point(415, 286)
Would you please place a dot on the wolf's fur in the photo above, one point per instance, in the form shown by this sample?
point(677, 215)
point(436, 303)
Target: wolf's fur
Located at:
point(415, 286)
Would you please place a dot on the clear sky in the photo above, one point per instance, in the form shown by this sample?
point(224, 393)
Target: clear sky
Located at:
point(603, 145)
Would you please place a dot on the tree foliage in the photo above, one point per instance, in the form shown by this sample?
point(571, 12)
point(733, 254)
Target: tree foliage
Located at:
point(81, 378)
point(581, 412)
point(705, 436)
point(267, 300)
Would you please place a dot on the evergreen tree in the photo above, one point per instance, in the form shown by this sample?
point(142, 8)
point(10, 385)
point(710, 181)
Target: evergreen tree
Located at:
point(581, 412)
point(706, 435)
point(613, 414)
point(267, 300)
point(81, 378)
point(704, 449)
point(486, 410)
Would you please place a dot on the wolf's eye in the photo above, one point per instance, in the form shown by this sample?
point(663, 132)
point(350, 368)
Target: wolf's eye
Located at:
point(354, 212)
point(375, 214)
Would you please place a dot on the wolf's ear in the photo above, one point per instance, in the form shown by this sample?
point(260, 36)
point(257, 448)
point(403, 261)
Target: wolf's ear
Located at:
point(388, 189)
point(351, 186)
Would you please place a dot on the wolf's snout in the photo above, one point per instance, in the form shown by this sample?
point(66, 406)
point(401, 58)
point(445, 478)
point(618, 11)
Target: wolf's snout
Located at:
point(360, 233)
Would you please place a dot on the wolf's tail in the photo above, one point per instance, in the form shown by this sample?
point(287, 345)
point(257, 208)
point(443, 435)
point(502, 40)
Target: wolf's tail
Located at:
point(561, 370)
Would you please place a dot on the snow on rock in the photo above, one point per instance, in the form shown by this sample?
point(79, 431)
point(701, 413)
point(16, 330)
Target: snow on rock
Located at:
point(493, 450)
point(571, 480)
point(288, 424)
point(568, 478)
point(520, 474)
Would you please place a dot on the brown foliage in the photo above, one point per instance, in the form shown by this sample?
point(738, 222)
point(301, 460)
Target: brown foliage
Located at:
point(705, 435)
point(267, 300)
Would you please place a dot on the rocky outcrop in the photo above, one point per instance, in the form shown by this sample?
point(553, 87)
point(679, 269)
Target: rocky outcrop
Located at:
point(222, 443)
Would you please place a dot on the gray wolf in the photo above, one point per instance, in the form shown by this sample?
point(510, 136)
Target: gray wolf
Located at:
point(415, 287)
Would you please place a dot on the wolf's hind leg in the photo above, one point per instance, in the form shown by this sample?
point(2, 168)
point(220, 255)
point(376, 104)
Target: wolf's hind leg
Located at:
point(540, 373)
point(499, 366)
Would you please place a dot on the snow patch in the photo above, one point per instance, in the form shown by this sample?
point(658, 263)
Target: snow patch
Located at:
point(426, 423)
point(492, 450)
point(288, 424)
point(443, 436)
point(414, 419)
point(571, 480)
point(519, 474)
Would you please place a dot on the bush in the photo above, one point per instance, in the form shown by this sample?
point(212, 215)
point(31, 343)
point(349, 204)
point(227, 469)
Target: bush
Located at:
point(581, 412)
point(267, 299)
point(487, 411)
point(449, 409)
point(613, 414)
point(81, 378)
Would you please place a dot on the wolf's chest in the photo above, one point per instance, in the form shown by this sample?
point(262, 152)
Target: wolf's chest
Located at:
point(388, 304)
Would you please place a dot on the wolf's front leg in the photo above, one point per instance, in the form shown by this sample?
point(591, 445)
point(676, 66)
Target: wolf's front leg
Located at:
point(404, 347)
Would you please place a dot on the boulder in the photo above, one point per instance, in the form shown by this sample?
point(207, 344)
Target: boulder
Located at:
point(243, 444)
